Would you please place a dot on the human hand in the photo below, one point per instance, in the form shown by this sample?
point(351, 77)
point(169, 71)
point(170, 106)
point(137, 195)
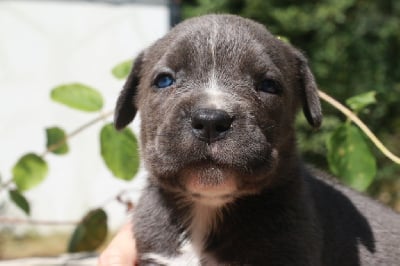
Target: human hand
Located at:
point(122, 249)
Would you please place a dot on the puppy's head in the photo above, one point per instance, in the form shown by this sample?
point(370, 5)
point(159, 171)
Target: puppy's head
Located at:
point(218, 97)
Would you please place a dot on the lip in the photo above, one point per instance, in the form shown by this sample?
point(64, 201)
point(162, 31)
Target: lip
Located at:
point(209, 181)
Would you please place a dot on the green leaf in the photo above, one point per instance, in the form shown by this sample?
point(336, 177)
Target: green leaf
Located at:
point(122, 70)
point(359, 102)
point(78, 96)
point(56, 140)
point(20, 201)
point(90, 233)
point(29, 171)
point(119, 151)
point(350, 158)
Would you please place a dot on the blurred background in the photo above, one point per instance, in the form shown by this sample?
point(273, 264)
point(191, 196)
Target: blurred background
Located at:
point(353, 47)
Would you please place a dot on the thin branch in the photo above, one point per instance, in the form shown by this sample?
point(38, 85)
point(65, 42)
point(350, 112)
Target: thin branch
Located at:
point(77, 131)
point(55, 146)
point(353, 117)
point(117, 196)
point(13, 221)
point(6, 184)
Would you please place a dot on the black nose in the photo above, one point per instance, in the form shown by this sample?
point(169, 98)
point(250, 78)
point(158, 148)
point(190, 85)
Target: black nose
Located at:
point(210, 124)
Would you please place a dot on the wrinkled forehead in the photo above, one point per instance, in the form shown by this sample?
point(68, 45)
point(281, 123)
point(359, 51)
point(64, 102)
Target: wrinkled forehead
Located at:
point(218, 45)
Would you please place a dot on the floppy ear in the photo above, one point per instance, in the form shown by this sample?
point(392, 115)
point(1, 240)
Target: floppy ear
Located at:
point(125, 110)
point(309, 95)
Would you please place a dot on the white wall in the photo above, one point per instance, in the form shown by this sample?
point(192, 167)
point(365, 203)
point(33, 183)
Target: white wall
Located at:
point(43, 44)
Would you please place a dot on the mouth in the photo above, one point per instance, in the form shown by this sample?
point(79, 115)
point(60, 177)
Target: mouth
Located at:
point(211, 174)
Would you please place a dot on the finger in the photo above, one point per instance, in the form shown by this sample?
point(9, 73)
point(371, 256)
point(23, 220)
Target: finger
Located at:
point(121, 251)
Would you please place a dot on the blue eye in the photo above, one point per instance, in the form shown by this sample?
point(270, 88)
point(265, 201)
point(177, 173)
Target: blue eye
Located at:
point(164, 81)
point(269, 86)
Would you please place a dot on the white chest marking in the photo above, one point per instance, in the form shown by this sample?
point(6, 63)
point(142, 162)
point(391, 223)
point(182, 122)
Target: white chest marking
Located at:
point(186, 257)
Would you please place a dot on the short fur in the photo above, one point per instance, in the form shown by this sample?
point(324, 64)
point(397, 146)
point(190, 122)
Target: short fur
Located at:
point(281, 213)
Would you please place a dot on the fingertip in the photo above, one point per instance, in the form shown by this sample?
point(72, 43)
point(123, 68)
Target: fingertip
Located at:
point(112, 257)
point(121, 251)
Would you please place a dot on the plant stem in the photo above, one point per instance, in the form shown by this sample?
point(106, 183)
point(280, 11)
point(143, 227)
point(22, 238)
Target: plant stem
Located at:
point(353, 117)
point(77, 131)
point(11, 220)
point(116, 196)
point(53, 147)
point(5, 184)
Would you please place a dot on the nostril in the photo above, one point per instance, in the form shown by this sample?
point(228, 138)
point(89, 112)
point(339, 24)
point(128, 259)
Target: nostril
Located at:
point(198, 122)
point(222, 127)
point(210, 124)
point(197, 126)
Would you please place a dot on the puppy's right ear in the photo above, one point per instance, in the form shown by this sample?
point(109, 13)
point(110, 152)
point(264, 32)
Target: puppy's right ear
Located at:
point(126, 109)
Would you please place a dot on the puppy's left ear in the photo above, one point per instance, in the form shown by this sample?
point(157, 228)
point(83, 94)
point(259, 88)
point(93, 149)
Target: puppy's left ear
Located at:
point(126, 109)
point(309, 93)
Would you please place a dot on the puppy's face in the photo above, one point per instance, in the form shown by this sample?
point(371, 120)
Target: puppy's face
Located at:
point(218, 96)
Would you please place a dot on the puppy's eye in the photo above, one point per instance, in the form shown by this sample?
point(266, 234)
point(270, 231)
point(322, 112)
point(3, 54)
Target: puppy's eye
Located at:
point(269, 86)
point(164, 81)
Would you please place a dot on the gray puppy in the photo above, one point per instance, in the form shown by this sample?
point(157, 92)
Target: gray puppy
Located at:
point(218, 97)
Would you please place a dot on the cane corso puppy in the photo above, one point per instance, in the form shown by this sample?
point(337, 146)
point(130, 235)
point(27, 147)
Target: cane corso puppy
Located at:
point(218, 96)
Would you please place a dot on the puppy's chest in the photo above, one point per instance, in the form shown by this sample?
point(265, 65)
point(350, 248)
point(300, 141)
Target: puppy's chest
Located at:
point(203, 221)
point(186, 255)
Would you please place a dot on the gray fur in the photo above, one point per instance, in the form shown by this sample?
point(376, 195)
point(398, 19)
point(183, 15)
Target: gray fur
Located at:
point(280, 212)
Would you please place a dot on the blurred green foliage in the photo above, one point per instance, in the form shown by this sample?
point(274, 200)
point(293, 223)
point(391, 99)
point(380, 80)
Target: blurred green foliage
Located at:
point(119, 151)
point(353, 47)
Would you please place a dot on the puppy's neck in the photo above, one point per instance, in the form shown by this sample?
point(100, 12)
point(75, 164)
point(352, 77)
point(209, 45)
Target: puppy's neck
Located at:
point(204, 219)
